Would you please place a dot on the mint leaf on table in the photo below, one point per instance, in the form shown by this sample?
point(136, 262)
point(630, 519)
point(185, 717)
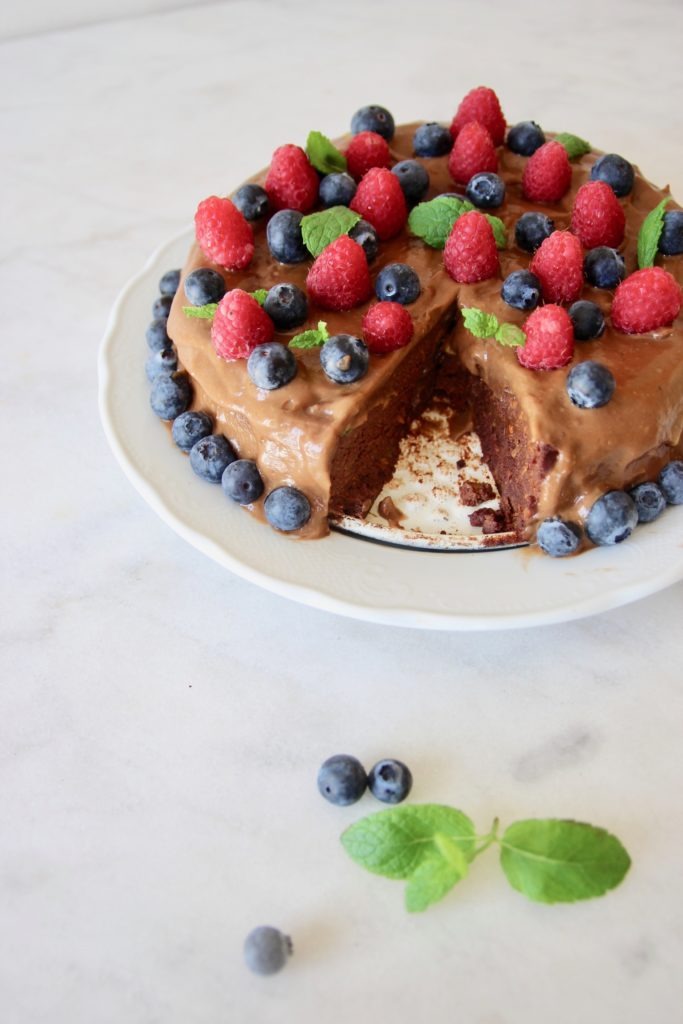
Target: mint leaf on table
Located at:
point(430, 882)
point(323, 154)
point(575, 146)
point(650, 233)
point(432, 221)
point(319, 229)
point(206, 312)
point(260, 295)
point(556, 861)
point(486, 325)
point(311, 339)
point(499, 232)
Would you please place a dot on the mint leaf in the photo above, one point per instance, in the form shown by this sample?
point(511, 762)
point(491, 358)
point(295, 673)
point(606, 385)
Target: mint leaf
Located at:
point(555, 861)
point(319, 229)
point(499, 232)
point(575, 146)
point(650, 233)
point(323, 154)
point(259, 295)
point(311, 339)
point(510, 335)
point(201, 312)
point(432, 221)
point(430, 882)
point(479, 323)
point(395, 843)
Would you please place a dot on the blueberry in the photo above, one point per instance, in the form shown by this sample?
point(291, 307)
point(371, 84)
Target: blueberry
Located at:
point(266, 950)
point(251, 201)
point(671, 238)
point(650, 502)
point(286, 305)
point(390, 781)
point(271, 366)
point(432, 139)
point(157, 335)
point(336, 189)
point(590, 385)
point(615, 171)
point(203, 286)
point(413, 179)
point(531, 229)
point(169, 283)
point(344, 358)
point(242, 481)
point(164, 360)
point(161, 307)
point(612, 518)
point(342, 779)
point(284, 237)
point(190, 427)
point(604, 267)
point(209, 457)
point(170, 395)
point(558, 537)
point(588, 320)
point(373, 119)
point(525, 138)
point(521, 290)
point(671, 482)
point(364, 233)
point(486, 190)
point(287, 509)
point(397, 282)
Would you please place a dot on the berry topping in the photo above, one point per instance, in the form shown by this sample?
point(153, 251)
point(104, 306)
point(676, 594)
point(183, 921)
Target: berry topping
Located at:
point(432, 139)
point(525, 138)
point(373, 119)
point(157, 335)
point(390, 781)
point(531, 229)
point(612, 518)
point(646, 300)
point(210, 456)
point(473, 151)
point(549, 339)
point(339, 278)
point(344, 358)
point(287, 509)
point(413, 179)
point(271, 366)
point(380, 200)
point(486, 190)
point(239, 325)
point(286, 305)
point(387, 326)
point(671, 482)
point(481, 105)
point(366, 150)
point(203, 286)
point(590, 385)
point(397, 282)
point(336, 189)
point(223, 234)
point(588, 320)
point(470, 252)
point(266, 950)
point(342, 780)
point(190, 427)
point(161, 307)
point(521, 290)
point(558, 264)
point(650, 502)
point(242, 481)
point(597, 216)
point(558, 537)
point(170, 395)
point(284, 237)
point(615, 172)
point(168, 285)
point(547, 174)
point(366, 236)
point(671, 238)
point(251, 201)
point(604, 267)
point(291, 182)
point(164, 361)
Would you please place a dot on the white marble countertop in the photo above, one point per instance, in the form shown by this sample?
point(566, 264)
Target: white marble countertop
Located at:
point(161, 721)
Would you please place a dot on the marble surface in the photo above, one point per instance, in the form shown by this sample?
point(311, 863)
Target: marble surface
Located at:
point(161, 721)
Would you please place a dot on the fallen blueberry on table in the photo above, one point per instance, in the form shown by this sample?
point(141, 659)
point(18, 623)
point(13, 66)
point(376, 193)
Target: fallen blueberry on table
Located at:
point(267, 949)
point(342, 779)
point(390, 781)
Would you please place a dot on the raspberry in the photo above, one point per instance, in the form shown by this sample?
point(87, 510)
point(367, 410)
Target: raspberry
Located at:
point(339, 278)
point(291, 182)
point(470, 253)
point(387, 326)
point(548, 173)
point(549, 339)
point(558, 264)
point(366, 150)
point(223, 234)
point(379, 199)
point(646, 300)
point(598, 217)
point(473, 151)
point(239, 325)
point(481, 105)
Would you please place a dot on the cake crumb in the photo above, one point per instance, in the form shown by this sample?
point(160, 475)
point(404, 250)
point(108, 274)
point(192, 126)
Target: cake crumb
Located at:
point(474, 492)
point(491, 520)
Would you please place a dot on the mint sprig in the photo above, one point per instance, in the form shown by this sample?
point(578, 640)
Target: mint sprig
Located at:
point(260, 295)
point(319, 229)
point(311, 339)
point(650, 233)
point(323, 154)
point(432, 221)
point(486, 325)
point(432, 846)
point(574, 145)
point(499, 232)
point(206, 312)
